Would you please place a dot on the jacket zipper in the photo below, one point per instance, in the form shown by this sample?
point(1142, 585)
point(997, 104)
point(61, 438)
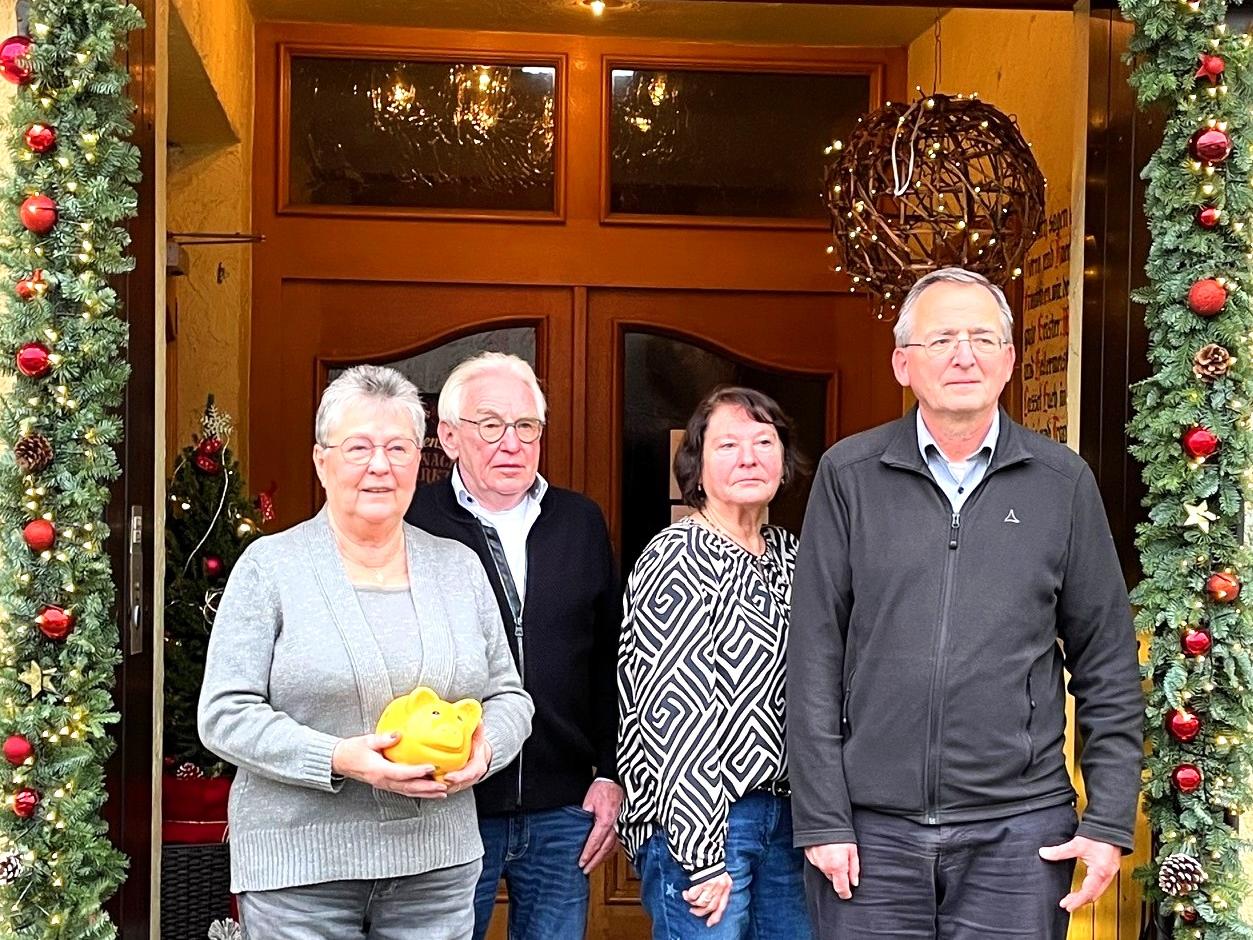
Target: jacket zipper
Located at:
point(935, 710)
point(517, 632)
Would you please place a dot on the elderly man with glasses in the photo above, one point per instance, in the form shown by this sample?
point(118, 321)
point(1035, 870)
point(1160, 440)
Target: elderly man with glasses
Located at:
point(547, 820)
point(952, 566)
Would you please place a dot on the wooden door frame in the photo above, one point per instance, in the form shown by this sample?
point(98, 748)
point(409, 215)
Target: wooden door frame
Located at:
point(130, 772)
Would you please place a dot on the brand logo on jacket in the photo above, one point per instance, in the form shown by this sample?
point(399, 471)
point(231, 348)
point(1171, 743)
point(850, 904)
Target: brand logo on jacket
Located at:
point(1012, 518)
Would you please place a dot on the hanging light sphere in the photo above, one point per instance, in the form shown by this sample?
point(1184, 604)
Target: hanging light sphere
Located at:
point(945, 181)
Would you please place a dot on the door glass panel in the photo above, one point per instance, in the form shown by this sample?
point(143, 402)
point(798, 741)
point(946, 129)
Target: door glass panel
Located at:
point(664, 381)
point(428, 135)
point(429, 370)
point(748, 144)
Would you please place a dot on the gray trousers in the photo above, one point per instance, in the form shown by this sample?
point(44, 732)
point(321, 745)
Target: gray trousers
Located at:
point(967, 881)
point(435, 905)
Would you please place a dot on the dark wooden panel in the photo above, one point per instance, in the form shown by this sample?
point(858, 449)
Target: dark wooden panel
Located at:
point(129, 773)
point(1120, 141)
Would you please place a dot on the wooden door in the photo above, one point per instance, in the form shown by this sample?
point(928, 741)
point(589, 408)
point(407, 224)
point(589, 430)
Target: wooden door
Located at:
point(651, 356)
point(328, 325)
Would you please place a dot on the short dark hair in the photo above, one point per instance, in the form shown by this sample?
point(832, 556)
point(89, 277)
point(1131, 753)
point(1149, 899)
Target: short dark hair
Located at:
point(689, 461)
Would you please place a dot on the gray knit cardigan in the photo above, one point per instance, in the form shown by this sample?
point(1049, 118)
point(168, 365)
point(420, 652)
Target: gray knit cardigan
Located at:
point(293, 667)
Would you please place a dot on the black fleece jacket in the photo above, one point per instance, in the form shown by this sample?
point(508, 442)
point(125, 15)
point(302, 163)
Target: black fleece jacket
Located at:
point(926, 650)
point(570, 628)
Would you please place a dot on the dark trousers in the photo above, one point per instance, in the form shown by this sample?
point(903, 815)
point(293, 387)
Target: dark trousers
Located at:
point(966, 881)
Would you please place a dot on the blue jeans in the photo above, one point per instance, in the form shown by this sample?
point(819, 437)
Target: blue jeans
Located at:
point(767, 889)
point(538, 856)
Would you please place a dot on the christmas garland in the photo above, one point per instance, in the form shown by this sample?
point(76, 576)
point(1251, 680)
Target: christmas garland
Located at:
point(61, 239)
point(1192, 433)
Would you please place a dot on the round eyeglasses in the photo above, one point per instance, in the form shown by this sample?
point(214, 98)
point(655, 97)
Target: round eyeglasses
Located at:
point(947, 345)
point(493, 429)
point(399, 451)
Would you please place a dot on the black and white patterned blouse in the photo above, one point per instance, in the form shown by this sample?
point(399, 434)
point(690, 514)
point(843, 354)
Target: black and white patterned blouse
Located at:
point(700, 686)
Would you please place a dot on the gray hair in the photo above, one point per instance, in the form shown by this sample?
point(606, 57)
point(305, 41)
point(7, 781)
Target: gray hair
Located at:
point(903, 329)
point(451, 398)
point(378, 384)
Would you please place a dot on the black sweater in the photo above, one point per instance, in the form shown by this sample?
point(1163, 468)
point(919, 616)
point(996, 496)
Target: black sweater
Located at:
point(571, 623)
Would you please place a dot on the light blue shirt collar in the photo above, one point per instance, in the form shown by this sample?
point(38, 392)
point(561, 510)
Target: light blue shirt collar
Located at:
point(957, 478)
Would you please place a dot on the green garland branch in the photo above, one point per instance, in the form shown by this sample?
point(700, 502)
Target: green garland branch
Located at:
point(1192, 433)
point(70, 189)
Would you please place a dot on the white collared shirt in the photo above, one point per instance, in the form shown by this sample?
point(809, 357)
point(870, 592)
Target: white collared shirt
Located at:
point(957, 478)
point(512, 525)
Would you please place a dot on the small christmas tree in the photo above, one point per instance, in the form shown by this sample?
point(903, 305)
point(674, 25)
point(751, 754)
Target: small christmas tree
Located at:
point(209, 524)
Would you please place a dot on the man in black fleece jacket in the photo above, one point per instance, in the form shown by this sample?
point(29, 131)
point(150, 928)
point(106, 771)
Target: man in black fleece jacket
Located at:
point(952, 564)
point(547, 820)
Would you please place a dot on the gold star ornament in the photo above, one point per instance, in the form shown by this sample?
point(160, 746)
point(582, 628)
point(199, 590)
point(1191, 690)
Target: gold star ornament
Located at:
point(1199, 515)
point(39, 680)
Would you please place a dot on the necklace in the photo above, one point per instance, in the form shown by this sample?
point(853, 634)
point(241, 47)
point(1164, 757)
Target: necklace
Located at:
point(722, 530)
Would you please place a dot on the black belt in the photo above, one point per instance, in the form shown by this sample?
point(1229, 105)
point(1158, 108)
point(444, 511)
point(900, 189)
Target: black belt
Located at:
point(774, 788)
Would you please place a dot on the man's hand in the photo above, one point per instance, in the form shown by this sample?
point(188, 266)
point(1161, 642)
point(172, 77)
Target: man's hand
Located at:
point(839, 863)
point(476, 768)
point(359, 757)
point(1101, 861)
point(603, 800)
point(709, 898)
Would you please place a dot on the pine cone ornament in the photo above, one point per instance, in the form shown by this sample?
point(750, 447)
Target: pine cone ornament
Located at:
point(188, 771)
point(216, 423)
point(33, 453)
point(10, 868)
point(1211, 362)
point(1180, 874)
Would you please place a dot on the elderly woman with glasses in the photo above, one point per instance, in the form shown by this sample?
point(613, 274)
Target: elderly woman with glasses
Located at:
point(701, 751)
point(319, 628)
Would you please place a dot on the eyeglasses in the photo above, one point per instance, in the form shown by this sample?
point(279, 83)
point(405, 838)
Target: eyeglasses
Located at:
point(493, 429)
point(980, 345)
point(399, 451)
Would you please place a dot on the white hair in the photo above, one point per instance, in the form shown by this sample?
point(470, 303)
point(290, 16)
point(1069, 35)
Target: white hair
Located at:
point(903, 330)
point(377, 384)
point(451, 399)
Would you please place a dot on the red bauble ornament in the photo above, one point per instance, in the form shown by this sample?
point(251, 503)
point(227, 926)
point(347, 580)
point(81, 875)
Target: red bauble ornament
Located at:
point(55, 623)
point(1208, 216)
point(1183, 725)
point(213, 567)
point(33, 360)
point(40, 137)
point(207, 465)
point(1222, 587)
point(25, 802)
point(1212, 67)
point(38, 214)
point(1196, 642)
point(1199, 443)
point(15, 59)
point(209, 446)
point(30, 287)
point(1210, 145)
point(39, 534)
point(1186, 778)
point(1189, 915)
point(17, 749)
point(1207, 297)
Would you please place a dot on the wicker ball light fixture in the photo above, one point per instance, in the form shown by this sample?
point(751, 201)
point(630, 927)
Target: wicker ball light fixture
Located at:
point(944, 181)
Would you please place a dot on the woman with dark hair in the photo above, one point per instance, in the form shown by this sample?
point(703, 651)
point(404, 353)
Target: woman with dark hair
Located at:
point(701, 755)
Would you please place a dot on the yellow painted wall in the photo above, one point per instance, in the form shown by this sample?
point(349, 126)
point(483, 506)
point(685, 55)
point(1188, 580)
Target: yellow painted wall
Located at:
point(209, 190)
point(1034, 72)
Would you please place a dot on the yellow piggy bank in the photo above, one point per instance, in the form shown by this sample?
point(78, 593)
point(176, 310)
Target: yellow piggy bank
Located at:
point(432, 731)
